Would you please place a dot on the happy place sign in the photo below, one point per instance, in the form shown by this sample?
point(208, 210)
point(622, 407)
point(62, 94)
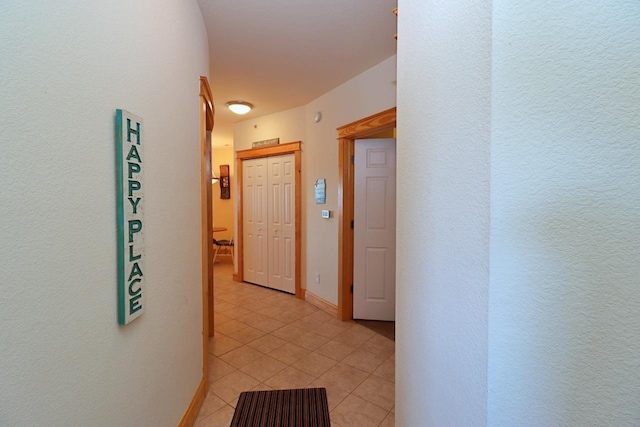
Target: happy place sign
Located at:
point(130, 205)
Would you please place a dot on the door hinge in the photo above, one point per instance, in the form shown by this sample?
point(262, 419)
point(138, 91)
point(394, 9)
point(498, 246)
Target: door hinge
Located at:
point(352, 224)
point(353, 160)
point(351, 288)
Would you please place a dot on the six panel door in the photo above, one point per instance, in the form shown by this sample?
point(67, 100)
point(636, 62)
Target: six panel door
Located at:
point(374, 245)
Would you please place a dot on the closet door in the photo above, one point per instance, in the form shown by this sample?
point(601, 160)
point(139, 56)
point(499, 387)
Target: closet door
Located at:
point(281, 220)
point(254, 192)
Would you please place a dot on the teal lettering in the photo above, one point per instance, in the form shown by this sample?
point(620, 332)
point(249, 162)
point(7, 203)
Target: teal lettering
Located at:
point(134, 205)
point(135, 271)
point(131, 257)
point(134, 304)
point(133, 186)
point(131, 131)
point(135, 226)
point(133, 168)
point(133, 154)
point(136, 292)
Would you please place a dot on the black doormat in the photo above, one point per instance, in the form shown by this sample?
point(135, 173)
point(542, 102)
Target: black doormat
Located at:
point(306, 407)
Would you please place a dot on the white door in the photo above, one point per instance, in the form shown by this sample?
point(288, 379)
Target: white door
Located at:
point(254, 211)
point(374, 246)
point(281, 220)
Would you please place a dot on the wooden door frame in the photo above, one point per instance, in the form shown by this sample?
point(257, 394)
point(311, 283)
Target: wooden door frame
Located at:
point(255, 153)
point(347, 135)
point(207, 113)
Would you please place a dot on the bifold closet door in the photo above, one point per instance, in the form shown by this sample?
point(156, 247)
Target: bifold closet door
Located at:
point(281, 220)
point(268, 194)
point(254, 194)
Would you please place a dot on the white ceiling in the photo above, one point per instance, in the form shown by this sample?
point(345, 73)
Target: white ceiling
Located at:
point(281, 54)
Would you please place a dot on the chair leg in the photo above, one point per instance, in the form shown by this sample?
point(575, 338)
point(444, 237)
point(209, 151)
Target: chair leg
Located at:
point(215, 254)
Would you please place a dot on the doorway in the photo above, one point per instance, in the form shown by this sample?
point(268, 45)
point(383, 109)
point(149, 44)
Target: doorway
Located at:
point(347, 135)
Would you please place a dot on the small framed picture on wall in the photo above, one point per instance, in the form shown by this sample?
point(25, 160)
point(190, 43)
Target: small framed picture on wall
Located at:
point(225, 187)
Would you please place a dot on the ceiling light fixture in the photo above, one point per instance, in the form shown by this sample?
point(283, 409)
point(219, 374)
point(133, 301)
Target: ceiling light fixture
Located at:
point(239, 107)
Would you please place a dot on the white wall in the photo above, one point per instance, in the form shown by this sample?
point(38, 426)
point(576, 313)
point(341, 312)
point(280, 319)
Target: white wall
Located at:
point(366, 94)
point(287, 125)
point(66, 66)
point(557, 341)
point(444, 89)
point(565, 214)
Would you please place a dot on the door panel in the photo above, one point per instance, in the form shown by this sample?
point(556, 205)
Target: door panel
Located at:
point(281, 181)
point(376, 197)
point(289, 258)
point(255, 221)
point(375, 263)
point(248, 191)
point(374, 229)
point(288, 232)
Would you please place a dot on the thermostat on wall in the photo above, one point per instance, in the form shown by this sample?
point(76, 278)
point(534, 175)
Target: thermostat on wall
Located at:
point(325, 213)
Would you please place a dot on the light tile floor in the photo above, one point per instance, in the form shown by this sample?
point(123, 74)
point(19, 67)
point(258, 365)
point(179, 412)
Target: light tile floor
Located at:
point(265, 339)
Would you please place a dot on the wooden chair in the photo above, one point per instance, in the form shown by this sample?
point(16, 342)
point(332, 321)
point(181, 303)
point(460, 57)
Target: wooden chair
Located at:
point(220, 244)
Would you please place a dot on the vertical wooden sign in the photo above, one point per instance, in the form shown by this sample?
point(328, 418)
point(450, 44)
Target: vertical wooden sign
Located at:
point(130, 206)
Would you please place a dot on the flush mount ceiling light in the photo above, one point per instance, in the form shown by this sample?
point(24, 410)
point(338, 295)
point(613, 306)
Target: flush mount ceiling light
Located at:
point(239, 107)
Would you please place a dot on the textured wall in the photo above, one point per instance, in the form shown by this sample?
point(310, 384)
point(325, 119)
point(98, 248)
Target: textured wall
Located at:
point(66, 66)
point(287, 125)
point(366, 94)
point(565, 221)
point(444, 89)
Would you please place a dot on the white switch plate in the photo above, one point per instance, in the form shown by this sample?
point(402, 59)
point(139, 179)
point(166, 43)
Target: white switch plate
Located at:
point(325, 213)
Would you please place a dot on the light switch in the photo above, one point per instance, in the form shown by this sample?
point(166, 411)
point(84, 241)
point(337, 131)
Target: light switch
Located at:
point(325, 213)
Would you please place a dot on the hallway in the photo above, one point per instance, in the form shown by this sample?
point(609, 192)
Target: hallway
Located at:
point(266, 339)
